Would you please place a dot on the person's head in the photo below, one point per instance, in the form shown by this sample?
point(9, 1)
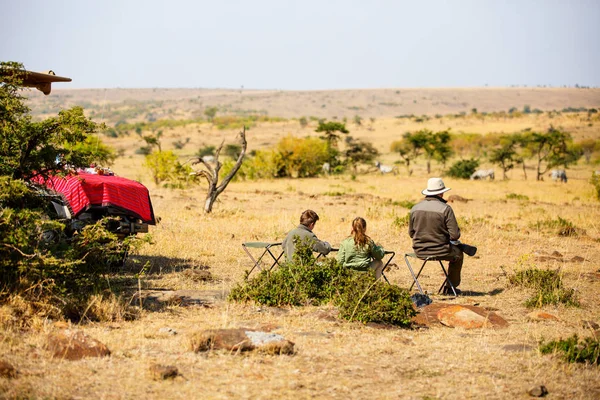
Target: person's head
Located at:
point(309, 218)
point(359, 232)
point(435, 187)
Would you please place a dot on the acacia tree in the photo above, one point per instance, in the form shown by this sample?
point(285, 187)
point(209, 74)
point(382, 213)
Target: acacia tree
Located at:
point(506, 155)
point(330, 130)
point(211, 173)
point(551, 149)
point(358, 151)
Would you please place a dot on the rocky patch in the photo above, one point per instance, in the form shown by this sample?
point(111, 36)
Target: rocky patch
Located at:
point(7, 370)
point(160, 372)
point(239, 340)
point(457, 315)
point(75, 345)
point(541, 316)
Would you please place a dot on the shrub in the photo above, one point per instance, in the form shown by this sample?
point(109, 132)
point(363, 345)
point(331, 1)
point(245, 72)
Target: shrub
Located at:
point(165, 168)
point(547, 285)
point(308, 282)
point(559, 226)
point(595, 181)
point(366, 300)
point(401, 222)
point(575, 350)
point(515, 196)
point(404, 203)
point(463, 169)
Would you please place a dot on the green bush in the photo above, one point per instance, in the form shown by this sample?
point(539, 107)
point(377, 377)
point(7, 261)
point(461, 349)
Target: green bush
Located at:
point(401, 222)
point(575, 350)
point(306, 281)
point(595, 181)
point(515, 196)
point(463, 169)
point(559, 226)
point(366, 300)
point(547, 285)
point(166, 168)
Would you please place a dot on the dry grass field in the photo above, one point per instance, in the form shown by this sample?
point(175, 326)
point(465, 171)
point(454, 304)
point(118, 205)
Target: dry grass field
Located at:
point(335, 358)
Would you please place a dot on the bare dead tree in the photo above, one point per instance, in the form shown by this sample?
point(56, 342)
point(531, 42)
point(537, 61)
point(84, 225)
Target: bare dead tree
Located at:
point(211, 173)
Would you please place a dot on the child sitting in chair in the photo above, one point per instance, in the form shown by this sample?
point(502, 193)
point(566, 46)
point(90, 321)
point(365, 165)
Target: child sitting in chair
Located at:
point(359, 252)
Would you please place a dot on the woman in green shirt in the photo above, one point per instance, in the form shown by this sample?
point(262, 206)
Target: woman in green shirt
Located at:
point(359, 252)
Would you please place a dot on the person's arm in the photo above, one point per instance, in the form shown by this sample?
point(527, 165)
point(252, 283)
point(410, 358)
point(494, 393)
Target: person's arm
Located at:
point(320, 246)
point(377, 252)
point(341, 255)
point(411, 229)
point(452, 225)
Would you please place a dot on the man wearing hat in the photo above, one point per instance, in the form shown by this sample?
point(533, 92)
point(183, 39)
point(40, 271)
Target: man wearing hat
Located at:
point(435, 232)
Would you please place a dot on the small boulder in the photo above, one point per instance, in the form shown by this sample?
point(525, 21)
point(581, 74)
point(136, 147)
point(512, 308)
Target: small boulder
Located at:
point(541, 316)
point(537, 391)
point(7, 370)
point(198, 275)
point(430, 315)
point(75, 345)
point(590, 325)
point(161, 372)
point(239, 340)
point(454, 197)
point(459, 316)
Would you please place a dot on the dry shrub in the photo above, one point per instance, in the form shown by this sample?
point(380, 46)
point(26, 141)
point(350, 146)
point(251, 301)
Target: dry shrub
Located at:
point(559, 226)
point(575, 350)
point(109, 308)
point(547, 285)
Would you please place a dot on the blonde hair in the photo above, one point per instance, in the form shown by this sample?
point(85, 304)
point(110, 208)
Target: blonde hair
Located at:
point(359, 232)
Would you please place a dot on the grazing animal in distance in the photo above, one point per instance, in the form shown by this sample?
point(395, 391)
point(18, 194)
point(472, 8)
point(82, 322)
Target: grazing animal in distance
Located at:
point(483, 174)
point(558, 174)
point(386, 169)
point(326, 168)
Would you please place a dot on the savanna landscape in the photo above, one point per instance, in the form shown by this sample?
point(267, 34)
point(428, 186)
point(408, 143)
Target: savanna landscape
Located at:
point(176, 285)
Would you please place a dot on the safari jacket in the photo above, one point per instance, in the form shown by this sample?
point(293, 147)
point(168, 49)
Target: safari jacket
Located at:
point(303, 233)
point(432, 226)
point(352, 256)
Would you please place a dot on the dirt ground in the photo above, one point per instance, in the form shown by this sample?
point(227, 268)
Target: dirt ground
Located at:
point(335, 358)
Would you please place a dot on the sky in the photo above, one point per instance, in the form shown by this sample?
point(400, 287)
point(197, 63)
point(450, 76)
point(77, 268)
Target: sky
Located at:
point(305, 44)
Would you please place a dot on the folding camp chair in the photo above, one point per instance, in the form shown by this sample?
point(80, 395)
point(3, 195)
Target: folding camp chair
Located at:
point(393, 253)
point(266, 250)
point(416, 277)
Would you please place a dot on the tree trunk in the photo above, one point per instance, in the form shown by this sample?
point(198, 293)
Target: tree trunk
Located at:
point(212, 174)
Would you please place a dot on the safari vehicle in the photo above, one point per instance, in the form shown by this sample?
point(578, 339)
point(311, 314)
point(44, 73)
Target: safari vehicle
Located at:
point(86, 196)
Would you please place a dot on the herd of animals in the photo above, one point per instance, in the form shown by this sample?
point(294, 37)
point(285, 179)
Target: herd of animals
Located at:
point(480, 174)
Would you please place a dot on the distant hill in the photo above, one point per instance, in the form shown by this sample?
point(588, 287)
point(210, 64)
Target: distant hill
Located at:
point(132, 105)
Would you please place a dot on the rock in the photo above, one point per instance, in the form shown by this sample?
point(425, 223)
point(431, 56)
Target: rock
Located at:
point(541, 316)
point(517, 347)
point(7, 370)
point(158, 299)
point(537, 391)
point(556, 254)
point(75, 345)
point(461, 317)
point(161, 372)
point(428, 315)
point(590, 325)
point(167, 331)
point(240, 340)
point(455, 197)
point(198, 275)
point(577, 259)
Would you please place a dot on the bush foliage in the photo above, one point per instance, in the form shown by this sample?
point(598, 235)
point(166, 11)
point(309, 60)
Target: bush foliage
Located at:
point(575, 350)
point(306, 281)
point(463, 169)
point(547, 285)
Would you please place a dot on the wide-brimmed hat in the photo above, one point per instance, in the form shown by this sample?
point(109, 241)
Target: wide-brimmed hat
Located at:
point(435, 186)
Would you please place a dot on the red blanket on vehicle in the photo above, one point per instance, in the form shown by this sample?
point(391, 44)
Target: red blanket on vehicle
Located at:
point(83, 190)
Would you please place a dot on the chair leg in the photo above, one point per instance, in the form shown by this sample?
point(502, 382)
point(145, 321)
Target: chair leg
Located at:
point(415, 278)
point(276, 262)
point(447, 281)
point(256, 262)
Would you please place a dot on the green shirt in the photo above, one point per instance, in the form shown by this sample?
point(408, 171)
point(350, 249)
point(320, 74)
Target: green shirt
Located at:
point(351, 256)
